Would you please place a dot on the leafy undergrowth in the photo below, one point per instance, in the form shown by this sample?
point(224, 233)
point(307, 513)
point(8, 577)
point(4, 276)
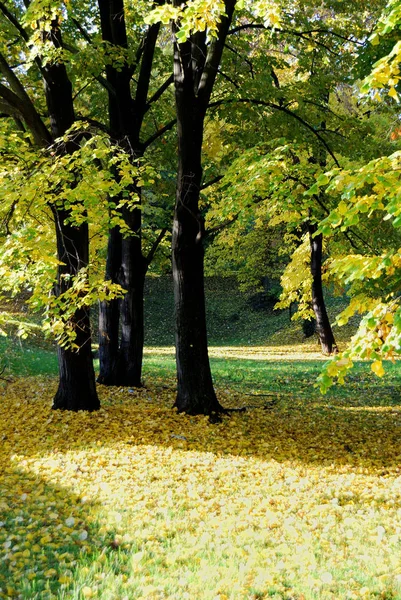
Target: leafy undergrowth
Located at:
point(297, 498)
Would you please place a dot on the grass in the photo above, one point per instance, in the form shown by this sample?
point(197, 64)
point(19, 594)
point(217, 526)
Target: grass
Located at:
point(297, 501)
point(22, 358)
point(298, 498)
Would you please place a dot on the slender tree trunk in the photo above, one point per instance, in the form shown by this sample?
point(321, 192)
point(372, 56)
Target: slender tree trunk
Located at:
point(109, 314)
point(323, 326)
point(133, 267)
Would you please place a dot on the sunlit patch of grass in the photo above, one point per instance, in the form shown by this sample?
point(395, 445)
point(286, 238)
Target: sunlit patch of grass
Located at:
point(299, 500)
point(24, 358)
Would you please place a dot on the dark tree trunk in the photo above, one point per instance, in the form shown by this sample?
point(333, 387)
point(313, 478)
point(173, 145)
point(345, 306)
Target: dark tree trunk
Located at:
point(195, 391)
point(109, 314)
point(77, 388)
point(123, 365)
point(196, 65)
point(133, 267)
point(323, 326)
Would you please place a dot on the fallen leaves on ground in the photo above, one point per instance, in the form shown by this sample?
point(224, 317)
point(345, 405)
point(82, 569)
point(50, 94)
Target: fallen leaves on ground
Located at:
point(135, 501)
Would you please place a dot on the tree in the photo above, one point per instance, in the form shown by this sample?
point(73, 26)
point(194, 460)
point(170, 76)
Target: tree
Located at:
point(195, 69)
point(307, 102)
point(121, 358)
point(95, 65)
point(76, 390)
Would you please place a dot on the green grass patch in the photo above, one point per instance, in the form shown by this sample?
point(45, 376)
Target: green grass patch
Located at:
point(24, 358)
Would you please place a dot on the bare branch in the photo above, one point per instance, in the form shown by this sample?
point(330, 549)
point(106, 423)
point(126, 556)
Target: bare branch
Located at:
point(158, 134)
point(155, 246)
point(160, 91)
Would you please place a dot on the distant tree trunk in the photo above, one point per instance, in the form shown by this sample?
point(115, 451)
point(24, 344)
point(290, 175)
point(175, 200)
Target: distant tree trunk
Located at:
point(323, 326)
point(77, 388)
point(109, 314)
point(134, 267)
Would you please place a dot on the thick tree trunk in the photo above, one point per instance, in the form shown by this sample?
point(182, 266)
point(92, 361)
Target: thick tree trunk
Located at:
point(77, 389)
point(195, 391)
point(109, 314)
point(323, 326)
point(196, 65)
point(126, 115)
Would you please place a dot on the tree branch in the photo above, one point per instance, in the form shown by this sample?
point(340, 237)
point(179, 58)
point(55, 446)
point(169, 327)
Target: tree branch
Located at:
point(244, 58)
point(14, 21)
point(221, 226)
point(216, 179)
point(95, 123)
point(155, 246)
point(294, 32)
point(158, 134)
point(160, 91)
point(284, 109)
point(145, 70)
point(16, 106)
point(213, 58)
point(99, 78)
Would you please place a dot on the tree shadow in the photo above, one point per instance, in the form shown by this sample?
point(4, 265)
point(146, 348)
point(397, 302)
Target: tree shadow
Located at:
point(48, 539)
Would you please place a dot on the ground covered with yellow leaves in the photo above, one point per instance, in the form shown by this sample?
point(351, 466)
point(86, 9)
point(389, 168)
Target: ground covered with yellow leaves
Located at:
point(299, 499)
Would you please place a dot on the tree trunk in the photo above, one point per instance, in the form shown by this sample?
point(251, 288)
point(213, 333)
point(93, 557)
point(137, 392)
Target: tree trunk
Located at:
point(323, 326)
point(195, 391)
point(133, 266)
point(109, 314)
point(196, 64)
point(77, 389)
point(126, 114)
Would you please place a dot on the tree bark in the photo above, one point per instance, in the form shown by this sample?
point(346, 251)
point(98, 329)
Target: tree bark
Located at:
point(77, 388)
point(195, 69)
point(133, 267)
point(121, 361)
point(109, 314)
point(323, 326)
point(195, 391)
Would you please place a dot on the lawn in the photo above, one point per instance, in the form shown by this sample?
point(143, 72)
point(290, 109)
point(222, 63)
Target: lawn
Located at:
point(297, 498)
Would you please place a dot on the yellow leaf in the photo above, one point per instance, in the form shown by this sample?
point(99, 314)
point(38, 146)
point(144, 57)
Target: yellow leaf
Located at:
point(393, 93)
point(377, 368)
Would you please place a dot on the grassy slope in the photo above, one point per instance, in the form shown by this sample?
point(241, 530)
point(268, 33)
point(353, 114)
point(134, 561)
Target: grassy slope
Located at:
point(230, 318)
point(231, 322)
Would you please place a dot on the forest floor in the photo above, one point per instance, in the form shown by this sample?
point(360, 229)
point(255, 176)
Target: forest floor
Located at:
point(297, 498)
